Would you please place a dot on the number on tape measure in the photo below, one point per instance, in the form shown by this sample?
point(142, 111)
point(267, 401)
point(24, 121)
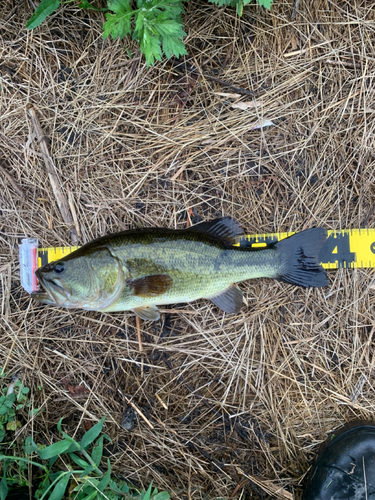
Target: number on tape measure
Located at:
point(337, 250)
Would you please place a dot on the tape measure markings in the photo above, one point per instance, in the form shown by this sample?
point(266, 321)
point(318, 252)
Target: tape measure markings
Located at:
point(343, 249)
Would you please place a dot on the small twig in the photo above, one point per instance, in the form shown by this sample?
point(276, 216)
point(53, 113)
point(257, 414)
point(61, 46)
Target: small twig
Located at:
point(190, 215)
point(73, 212)
point(53, 176)
point(368, 218)
point(237, 488)
point(348, 64)
point(197, 71)
point(139, 336)
point(161, 401)
point(295, 8)
point(12, 182)
point(302, 51)
point(274, 355)
point(229, 53)
point(139, 412)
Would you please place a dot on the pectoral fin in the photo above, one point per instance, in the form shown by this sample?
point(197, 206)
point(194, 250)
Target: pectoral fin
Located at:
point(150, 286)
point(148, 313)
point(229, 301)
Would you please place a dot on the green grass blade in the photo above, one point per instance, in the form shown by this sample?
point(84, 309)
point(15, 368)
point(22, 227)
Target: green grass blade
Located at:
point(59, 490)
point(55, 449)
point(147, 494)
point(92, 434)
point(3, 483)
point(163, 495)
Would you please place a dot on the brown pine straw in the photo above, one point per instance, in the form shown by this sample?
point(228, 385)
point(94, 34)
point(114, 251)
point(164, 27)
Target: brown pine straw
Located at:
point(238, 404)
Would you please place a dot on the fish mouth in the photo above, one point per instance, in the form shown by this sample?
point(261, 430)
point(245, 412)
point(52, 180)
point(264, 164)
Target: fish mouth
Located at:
point(51, 291)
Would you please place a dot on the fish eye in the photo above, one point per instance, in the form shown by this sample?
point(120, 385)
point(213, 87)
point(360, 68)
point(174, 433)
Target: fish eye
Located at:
point(59, 267)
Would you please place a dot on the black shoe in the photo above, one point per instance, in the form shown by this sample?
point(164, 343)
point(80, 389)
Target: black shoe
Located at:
point(345, 469)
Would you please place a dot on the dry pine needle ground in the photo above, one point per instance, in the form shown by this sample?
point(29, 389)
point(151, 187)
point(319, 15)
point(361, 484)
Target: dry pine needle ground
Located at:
point(237, 404)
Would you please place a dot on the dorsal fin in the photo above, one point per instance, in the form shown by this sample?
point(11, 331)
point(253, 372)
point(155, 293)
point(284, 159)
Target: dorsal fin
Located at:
point(225, 229)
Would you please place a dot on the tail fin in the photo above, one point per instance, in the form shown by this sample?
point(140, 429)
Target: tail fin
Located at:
point(299, 264)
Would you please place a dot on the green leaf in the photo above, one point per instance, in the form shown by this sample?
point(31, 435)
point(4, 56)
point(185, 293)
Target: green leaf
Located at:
point(265, 3)
point(87, 471)
point(168, 27)
point(3, 489)
point(43, 488)
point(3, 410)
point(222, 3)
point(119, 23)
point(92, 434)
point(30, 446)
point(86, 5)
point(105, 479)
point(61, 485)
point(10, 399)
point(173, 46)
point(25, 390)
point(44, 9)
point(147, 495)
point(163, 495)
point(116, 485)
point(12, 426)
point(125, 488)
point(74, 446)
point(79, 461)
point(92, 495)
point(54, 449)
point(88, 487)
point(3, 482)
point(97, 452)
point(139, 22)
point(150, 47)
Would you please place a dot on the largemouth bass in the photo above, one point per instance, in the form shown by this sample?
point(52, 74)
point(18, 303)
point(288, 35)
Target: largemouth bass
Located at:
point(142, 268)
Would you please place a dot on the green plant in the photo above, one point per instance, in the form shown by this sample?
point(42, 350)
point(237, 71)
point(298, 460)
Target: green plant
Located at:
point(156, 24)
point(13, 398)
point(82, 476)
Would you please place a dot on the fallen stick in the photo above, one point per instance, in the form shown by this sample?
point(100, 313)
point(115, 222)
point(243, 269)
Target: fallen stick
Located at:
point(53, 177)
point(139, 412)
point(12, 182)
point(295, 9)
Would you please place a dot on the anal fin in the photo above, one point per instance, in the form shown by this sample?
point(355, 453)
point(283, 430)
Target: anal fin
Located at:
point(230, 300)
point(148, 313)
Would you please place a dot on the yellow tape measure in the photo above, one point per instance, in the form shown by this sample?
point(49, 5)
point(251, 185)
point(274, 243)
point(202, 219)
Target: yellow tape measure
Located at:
point(347, 248)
